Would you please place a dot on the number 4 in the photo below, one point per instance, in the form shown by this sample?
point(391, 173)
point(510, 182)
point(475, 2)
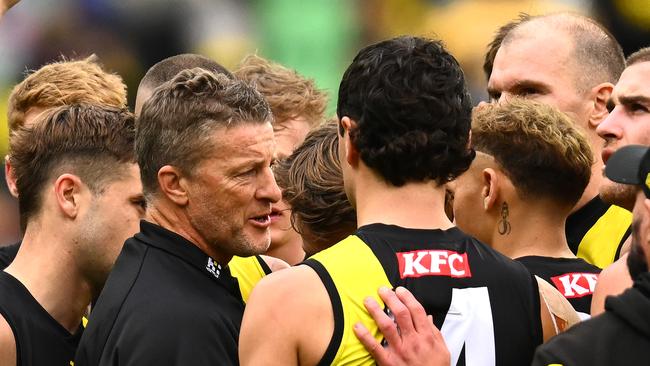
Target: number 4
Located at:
point(469, 323)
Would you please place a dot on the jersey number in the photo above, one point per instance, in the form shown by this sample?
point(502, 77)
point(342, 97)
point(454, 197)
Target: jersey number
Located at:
point(469, 324)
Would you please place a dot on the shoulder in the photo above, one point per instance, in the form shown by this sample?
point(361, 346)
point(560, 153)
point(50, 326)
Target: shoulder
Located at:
point(281, 315)
point(7, 343)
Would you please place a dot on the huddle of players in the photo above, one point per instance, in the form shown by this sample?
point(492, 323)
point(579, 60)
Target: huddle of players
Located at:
point(367, 195)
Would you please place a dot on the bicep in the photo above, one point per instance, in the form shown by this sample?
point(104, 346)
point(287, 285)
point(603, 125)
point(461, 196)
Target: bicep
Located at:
point(8, 352)
point(265, 337)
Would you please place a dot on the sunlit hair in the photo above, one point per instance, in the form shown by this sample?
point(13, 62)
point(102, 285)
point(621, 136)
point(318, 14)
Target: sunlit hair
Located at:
point(289, 94)
point(176, 123)
point(312, 184)
point(91, 142)
point(65, 83)
point(538, 148)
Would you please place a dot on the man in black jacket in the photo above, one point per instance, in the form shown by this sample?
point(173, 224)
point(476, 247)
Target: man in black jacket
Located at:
point(624, 328)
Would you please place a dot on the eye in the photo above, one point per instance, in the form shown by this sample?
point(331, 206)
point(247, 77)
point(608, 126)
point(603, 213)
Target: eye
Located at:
point(494, 97)
point(140, 203)
point(637, 107)
point(524, 92)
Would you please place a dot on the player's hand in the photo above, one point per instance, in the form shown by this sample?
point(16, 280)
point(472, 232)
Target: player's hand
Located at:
point(414, 340)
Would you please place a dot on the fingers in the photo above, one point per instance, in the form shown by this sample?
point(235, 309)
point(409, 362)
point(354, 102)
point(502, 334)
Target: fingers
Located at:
point(400, 311)
point(416, 311)
point(370, 343)
point(385, 324)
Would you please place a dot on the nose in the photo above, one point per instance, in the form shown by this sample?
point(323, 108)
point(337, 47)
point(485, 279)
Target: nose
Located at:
point(610, 127)
point(268, 188)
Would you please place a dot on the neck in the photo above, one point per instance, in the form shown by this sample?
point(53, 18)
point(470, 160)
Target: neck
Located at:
point(290, 252)
point(534, 230)
point(596, 180)
point(46, 267)
point(413, 205)
point(172, 218)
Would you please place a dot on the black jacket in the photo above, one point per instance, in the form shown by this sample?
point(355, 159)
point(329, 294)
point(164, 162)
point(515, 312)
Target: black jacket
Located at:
point(620, 336)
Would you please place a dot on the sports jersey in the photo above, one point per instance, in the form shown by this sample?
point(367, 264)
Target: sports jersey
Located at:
point(165, 303)
point(40, 339)
point(248, 271)
point(619, 336)
point(596, 232)
point(486, 305)
point(7, 254)
point(573, 277)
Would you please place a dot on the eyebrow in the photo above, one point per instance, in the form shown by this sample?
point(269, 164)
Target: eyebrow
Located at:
point(518, 85)
point(632, 99)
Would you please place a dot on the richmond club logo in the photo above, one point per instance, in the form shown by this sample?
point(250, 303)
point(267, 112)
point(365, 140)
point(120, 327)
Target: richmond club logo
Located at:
point(433, 263)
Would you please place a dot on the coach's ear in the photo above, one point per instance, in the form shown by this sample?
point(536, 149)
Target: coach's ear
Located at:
point(171, 183)
point(490, 192)
point(350, 151)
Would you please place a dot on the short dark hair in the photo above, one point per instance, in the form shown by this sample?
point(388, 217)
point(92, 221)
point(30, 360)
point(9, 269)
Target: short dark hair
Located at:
point(596, 51)
point(412, 110)
point(165, 70)
point(538, 147)
point(175, 123)
point(312, 183)
point(642, 55)
point(495, 44)
point(87, 140)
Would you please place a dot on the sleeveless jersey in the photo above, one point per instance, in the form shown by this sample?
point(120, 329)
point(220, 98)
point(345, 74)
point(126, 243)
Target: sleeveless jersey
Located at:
point(573, 277)
point(597, 231)
point(486, 305)
point(248, 271)
point(40, 340)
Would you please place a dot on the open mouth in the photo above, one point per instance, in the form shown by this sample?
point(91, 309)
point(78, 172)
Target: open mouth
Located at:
point(262, 219)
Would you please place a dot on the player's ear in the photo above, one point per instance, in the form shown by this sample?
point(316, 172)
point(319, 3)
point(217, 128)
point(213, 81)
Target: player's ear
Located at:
point(490, 191)
point(173, 185)
point(600, 95)
point(350, 151)
point(69, 192)
point(10, 178)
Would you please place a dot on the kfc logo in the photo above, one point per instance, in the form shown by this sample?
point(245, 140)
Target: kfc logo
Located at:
point(573, 285)
point(433, 263)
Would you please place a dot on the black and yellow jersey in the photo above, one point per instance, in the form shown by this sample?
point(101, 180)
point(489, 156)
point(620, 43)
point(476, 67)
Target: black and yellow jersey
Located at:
point(248, 271)
point(572, 277)
point(597, 231)
point(40, 339)
point(486, 305)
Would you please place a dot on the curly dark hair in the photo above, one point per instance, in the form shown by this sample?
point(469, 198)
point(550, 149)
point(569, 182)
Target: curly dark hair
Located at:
point(408, 98)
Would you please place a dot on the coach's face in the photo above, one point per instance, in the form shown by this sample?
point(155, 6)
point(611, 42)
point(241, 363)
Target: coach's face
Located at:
point(231, 190)
point(628, 123)
point(540, 68)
